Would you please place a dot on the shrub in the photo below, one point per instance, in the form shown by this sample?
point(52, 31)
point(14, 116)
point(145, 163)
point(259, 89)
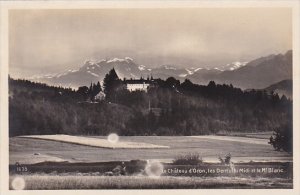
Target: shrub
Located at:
point(283, 138)
point(189, 159)
point(226, 160)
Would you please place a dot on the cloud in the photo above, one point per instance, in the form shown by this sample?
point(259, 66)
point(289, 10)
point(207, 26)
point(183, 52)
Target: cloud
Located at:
point(55, 40)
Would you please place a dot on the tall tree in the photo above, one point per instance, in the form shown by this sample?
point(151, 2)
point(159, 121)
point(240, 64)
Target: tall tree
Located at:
point(283, 138)
point(98, 87)
point(111, 83)
point(172, 82)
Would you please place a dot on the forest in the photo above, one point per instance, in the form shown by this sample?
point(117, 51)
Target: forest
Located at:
point(169, 107)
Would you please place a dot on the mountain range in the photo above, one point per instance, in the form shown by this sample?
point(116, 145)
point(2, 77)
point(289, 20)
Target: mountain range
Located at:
point(256, 74)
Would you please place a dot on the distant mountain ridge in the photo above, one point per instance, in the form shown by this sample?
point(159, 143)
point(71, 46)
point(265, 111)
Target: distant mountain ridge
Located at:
point(284, 87)
point(93, 71)
point(257, 74)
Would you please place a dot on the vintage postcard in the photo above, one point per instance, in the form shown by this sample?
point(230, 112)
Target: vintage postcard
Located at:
point(139, 96)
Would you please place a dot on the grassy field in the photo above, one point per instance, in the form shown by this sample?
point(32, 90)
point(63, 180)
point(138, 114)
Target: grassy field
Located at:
point(235, 139)
point(258, 135)
point(23, 150)
point(49, 182)
point(95, 142)
point(79, 166)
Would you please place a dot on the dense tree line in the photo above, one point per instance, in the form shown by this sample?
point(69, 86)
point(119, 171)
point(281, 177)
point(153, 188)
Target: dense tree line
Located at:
point(168, 108)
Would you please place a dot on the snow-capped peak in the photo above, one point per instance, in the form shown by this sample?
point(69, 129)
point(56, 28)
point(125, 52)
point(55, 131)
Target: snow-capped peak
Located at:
point(88, 62)
point(103, 60)
point(197, 69)
point(92, 73)
point(233, 65)
point(168, 67)
point(182, 75)
point(128, 58)
point(218, 69)
point(189, 71)
point(237, 63)
point(71, 70)
point(142, 67)
point(115, 60)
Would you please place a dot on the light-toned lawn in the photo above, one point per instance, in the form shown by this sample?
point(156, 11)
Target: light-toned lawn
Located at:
point(259, 135)
point(95, 142)
point(236, 139)
point(21, 149)
point(46, 182)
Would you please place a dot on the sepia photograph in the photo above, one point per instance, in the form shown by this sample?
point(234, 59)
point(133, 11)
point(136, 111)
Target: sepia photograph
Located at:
point(158, 97)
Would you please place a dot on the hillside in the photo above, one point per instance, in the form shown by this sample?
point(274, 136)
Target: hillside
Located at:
point(170, 108)
point(284, 87)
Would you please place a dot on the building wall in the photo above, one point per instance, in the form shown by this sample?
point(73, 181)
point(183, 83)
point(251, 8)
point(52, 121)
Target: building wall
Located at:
point(136, 87)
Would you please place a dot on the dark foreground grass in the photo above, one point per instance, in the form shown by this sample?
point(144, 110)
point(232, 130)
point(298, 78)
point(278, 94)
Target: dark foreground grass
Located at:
point(48, 182)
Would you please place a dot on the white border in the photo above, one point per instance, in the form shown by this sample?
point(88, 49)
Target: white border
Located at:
point(5, 6)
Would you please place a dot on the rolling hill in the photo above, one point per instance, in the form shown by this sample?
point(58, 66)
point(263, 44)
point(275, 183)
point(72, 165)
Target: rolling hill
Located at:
point(284, 87)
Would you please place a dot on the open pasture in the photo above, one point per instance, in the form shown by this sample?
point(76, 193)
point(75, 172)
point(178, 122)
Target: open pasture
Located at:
point(94, 142)
point(22, 149)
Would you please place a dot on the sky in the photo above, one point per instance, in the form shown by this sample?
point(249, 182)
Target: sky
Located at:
point(52, 41)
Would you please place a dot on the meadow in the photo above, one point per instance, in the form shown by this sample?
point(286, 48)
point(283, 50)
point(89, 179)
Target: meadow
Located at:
point(94, 142)
point(65, 165)
point(23, 150)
